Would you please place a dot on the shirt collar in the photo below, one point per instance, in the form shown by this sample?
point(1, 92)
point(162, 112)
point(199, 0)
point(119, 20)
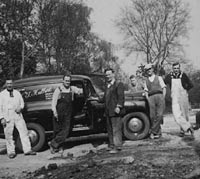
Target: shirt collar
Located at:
point(111, 83)
point(176, 75)
point(64, 88)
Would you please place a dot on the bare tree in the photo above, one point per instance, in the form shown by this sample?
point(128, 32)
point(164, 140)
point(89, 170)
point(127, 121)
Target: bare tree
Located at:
point(155, 29)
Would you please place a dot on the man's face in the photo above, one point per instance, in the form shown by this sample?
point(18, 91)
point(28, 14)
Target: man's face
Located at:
point(176, 68)
point(67, 81)
point(9, 85)
point(133, 81)
point(109, 76)
point(139, 74)
point(150, 71)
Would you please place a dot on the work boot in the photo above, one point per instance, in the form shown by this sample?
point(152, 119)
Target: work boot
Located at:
point(151, 136)
point(30, 153)
point(110, 147)
point(12, 155)
point(113, 151)
point(191, 130)
point(181, 134)
point(156, 136)
point(52, 149)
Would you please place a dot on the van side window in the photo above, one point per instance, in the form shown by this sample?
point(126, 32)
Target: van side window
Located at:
point(79, 85)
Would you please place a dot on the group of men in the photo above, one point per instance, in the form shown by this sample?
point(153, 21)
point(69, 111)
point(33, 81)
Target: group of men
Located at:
point(154, 87)
point(62, 110)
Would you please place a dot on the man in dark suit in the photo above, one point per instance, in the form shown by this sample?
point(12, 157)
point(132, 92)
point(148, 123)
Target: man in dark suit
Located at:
point(114, 106)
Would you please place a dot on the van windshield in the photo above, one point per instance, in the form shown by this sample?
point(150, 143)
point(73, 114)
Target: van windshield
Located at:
point(98, 82)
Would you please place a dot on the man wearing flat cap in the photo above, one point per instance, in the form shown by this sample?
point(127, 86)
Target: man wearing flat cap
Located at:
point(155, 90)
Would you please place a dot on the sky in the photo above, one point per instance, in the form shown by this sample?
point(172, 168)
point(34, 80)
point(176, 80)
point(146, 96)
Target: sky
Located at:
point(106, 11)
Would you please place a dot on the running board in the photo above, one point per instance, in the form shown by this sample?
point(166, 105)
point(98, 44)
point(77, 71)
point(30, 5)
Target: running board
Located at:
point(87, 137)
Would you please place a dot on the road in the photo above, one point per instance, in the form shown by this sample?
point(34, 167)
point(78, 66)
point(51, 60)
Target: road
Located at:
point(24, 166)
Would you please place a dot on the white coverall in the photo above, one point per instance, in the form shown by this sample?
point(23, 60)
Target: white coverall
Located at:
point(8, 105)
point(180, 104)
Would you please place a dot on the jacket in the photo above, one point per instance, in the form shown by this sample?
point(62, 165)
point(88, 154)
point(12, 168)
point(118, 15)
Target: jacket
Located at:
point(185, 81)
point(113, 97)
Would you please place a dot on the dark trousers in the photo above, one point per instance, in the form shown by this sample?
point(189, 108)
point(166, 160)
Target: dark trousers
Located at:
point(114, 128)
point(61, 130)
point(157, 106)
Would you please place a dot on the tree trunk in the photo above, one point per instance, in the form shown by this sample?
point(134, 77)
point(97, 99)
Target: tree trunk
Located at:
point(22, 63)
point(58, 60)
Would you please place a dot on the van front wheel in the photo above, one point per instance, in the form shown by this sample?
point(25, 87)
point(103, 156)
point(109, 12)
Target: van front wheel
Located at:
point(36, 134)
point(136, 125)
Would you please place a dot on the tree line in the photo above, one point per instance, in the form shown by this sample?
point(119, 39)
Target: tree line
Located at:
point(51, 36)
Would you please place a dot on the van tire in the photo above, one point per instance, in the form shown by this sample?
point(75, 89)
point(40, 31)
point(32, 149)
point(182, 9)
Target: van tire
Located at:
point(36, 135)
point(136, 125)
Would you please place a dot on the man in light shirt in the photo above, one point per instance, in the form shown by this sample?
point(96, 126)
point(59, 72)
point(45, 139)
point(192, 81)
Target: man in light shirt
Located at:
point(62, 100)
point(155, 90)
point(11, 105)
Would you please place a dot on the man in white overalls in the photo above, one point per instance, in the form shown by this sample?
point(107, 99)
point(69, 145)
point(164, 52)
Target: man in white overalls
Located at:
point(11, 105)
point(180, 84)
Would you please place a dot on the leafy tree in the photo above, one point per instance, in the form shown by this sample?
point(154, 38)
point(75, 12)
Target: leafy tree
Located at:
point(72, 28)
point(100, 53)
point(53, 33)
point(154, 28)
point(194, 94)
point(15, 32)
point(45, 26)
point(65, 28)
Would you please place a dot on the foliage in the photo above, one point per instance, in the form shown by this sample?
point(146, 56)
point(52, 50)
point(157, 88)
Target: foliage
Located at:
point(194, 94)
point(53, 35)
point(154, 29)
point(15, 29)
point(65, 27)
point(100, 52)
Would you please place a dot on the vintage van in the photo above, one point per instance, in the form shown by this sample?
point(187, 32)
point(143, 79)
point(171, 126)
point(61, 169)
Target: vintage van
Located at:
point(88, 115)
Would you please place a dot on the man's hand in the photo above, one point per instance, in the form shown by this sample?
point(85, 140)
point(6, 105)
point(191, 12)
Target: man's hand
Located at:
point(56, 116)
point(93, 98)
point(3, 122)
point(117, 110)
point(18, 110)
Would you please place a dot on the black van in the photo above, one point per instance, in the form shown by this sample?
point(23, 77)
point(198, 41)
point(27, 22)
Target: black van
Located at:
point(88, 115)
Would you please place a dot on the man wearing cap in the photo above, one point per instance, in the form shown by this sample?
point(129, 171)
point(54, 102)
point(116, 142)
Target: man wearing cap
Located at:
point(180, 84)
point(155, 90)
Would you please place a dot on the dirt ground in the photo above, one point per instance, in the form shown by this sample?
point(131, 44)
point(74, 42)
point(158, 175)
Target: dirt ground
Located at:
point(170, 157)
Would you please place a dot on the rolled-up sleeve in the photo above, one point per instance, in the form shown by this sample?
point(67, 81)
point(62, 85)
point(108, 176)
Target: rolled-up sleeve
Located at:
point(161, 81)
point(76, 90)
point(54, 100)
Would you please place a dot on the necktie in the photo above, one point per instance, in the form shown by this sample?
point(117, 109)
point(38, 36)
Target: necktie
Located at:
point(11, 93)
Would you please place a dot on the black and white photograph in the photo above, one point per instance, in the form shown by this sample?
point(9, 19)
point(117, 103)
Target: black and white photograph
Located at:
point(99, 89)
